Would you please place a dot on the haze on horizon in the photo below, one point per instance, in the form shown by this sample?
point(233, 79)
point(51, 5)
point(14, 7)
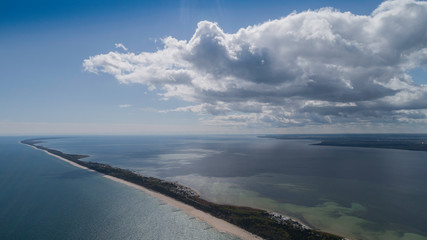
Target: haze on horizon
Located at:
point(214, 67)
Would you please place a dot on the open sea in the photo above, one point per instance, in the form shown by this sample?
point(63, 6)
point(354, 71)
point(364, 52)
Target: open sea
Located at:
point(360, 193)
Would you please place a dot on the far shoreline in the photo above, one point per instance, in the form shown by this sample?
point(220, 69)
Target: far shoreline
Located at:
point(407, 142)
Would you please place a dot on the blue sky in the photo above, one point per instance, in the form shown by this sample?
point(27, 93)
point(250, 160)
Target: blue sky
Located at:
point(46, 89)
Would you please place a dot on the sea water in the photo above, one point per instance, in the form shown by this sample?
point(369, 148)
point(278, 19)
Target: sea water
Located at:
point(361, 193)
point(42, 197)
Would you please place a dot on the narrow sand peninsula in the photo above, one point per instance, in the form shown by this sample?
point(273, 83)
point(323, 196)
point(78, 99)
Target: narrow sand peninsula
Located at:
point(217, 223)
point(63, 159)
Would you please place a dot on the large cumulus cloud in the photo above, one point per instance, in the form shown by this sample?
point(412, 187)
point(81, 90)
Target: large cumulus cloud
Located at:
point(313, 67)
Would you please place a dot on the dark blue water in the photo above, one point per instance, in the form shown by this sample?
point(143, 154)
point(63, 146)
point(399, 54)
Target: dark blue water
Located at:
point(362, 193)
point(42, 197)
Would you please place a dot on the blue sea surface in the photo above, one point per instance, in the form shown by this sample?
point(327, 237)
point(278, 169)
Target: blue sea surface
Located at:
point(42, 197)
point(361, 193)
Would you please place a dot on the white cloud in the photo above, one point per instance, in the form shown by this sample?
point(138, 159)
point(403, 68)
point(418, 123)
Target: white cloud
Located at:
point(120, 45)
point(125, 106)
point(313, 67)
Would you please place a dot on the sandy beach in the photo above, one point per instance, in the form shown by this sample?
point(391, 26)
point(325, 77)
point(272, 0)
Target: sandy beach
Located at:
point(216, 223)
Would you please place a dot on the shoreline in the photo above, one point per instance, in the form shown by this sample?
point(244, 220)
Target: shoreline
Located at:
point(242, 222)
point(218, 224)
point(63, 159)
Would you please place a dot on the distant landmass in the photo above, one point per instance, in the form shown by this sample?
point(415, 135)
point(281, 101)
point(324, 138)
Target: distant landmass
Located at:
point(413, 142)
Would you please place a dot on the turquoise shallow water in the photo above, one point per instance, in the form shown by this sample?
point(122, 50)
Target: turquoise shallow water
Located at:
point(362, 193)
point(42, 197)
